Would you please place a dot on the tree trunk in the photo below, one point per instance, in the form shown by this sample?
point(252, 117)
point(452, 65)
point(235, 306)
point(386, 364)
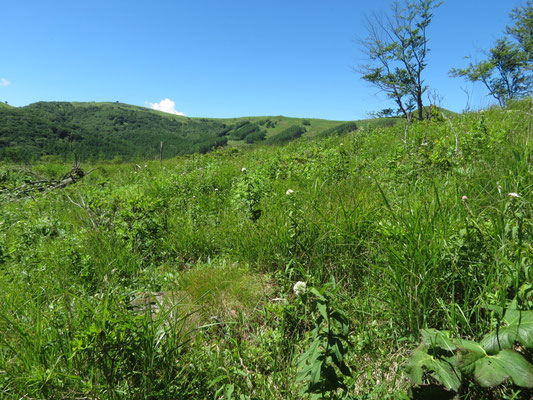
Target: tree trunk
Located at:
point(420, 105)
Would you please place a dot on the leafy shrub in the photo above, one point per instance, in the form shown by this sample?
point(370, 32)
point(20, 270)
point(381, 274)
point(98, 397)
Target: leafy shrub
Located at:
point(488, 363)
point(246, 129)
point(270, 123)
point(249, 189)
point(322, 366)
point(291, 133)
point(140, 223)
point(256, 136)
point(209, 144)
point(339, 129)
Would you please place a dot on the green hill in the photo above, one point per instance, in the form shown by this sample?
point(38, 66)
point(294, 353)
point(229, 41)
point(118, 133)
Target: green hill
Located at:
point(105, 131)
point(101, 131)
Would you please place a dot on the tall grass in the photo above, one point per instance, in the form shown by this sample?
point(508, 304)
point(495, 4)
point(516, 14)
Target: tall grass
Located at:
point(416, 234)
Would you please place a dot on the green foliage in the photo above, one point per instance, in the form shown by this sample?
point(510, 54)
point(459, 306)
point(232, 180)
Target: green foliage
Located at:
point(242, 130)
point(140, 223)
point(338, 130)
point(249, 190)
point(255, 136)
point(507, 71)
point(489, 363)
point(322, 366)
point(270, 124)
point(291, 133)
point(397, 46)
point(523, 28)
point(176, 282)
point(100, 132)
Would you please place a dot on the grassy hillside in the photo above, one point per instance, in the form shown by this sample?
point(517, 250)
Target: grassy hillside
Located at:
point(100, 131)
point(106, 131)
point(364, 266)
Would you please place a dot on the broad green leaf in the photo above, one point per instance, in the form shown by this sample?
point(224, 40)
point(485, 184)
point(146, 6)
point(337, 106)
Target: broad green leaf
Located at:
point(337, 351)
point(469, 352)
point(523, 320)
point(441, 339)
point(230, 388)
point(467, 345)
point(519, 327)
point(319, 295)
point(493, 370)
point(414, 366)
point(444, 372)
point(440, 369)
point(308, 359)
point(315, 371)
point(322, 309)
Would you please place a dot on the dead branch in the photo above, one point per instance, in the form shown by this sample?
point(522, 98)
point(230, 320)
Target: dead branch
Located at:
point(46, 185)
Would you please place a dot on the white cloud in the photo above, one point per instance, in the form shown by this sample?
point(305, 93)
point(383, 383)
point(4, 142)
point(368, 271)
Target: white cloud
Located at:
point(165, 105)
point(4, 82)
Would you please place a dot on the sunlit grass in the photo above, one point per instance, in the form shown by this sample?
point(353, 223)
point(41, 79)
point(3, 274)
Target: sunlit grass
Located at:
point(416, 235)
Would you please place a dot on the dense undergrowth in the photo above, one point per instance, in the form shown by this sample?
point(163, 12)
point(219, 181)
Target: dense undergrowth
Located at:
point(177, 281)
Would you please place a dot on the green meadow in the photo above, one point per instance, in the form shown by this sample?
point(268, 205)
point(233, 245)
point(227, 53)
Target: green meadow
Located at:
point(377, 261)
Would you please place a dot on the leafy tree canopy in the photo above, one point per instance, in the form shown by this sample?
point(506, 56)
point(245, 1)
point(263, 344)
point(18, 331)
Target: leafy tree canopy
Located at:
point(507, 70)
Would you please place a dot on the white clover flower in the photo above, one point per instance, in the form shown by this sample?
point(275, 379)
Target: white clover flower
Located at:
point(145, 165)
point(464, 198)
point(216, 189)
point(290, 191)
point(243, 169)
point(513, 194)
point(299, 288)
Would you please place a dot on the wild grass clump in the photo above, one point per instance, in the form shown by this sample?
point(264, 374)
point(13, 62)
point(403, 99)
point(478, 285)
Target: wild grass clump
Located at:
point(178, 281)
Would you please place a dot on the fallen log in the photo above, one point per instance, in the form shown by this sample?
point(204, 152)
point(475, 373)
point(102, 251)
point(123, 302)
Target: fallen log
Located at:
point(73, 176)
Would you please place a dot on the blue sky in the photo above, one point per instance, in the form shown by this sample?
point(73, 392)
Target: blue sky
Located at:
point(221, 58)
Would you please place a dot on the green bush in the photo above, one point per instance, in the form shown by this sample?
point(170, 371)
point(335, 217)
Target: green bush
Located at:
point(256, 136)
point(338, 130)
point(291, 133)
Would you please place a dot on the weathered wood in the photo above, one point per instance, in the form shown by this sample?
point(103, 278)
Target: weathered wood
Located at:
point(75, 175)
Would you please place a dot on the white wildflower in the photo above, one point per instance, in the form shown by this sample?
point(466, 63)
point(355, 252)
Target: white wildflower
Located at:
point(243, 169)
point(299, 287)
point(290, 191)
point(464, 198)
point(513, 194)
